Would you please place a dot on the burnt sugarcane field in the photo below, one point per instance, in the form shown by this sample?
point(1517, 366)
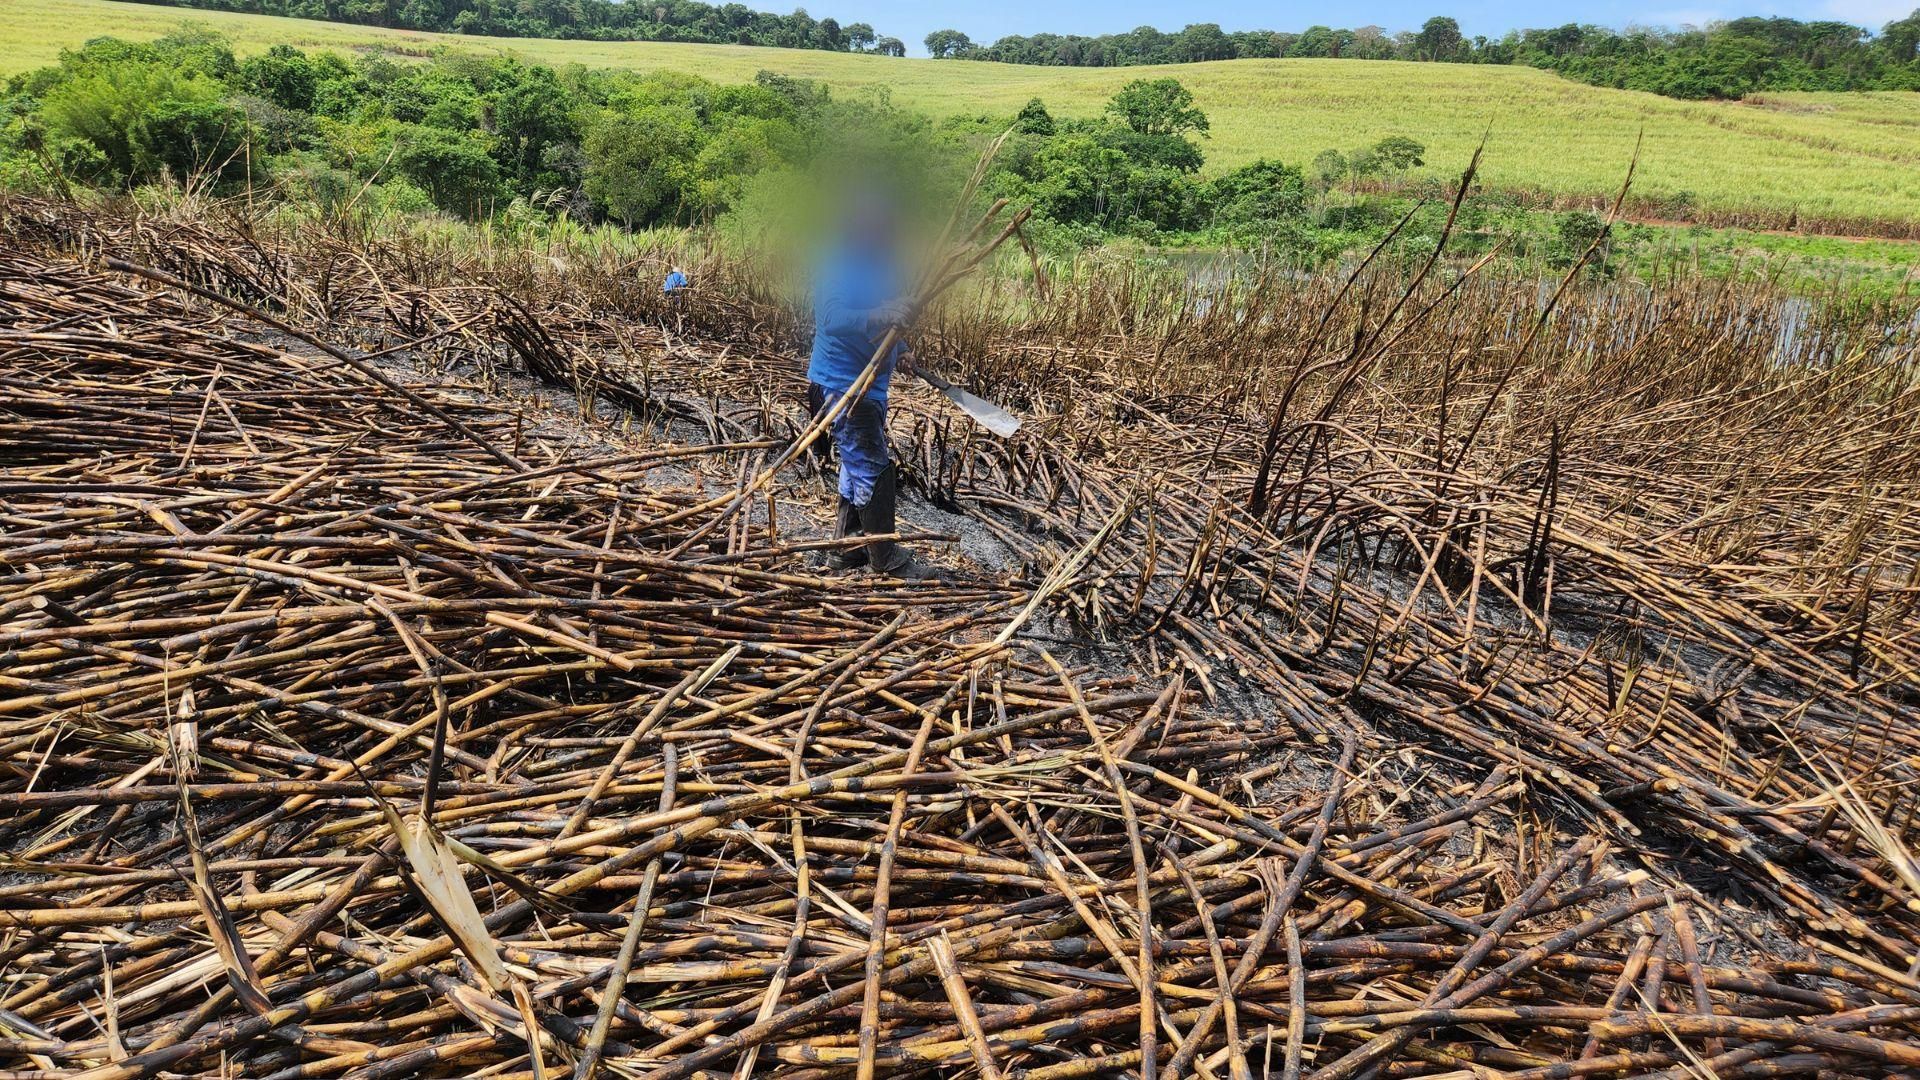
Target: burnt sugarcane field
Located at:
point(435, 660)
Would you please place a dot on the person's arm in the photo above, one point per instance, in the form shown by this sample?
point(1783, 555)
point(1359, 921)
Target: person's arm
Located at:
point(831, 307)
point(839, 317)
point(894, 313)
point(836, 316)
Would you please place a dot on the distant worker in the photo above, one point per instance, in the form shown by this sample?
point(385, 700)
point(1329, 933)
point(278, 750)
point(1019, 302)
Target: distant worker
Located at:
point(856, 300)
point(676, 280)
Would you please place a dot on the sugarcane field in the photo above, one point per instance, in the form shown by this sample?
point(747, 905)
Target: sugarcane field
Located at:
point(434, 658)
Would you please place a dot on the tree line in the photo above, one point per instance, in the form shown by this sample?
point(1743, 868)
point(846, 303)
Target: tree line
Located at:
point(491, 138)
point(1722, 60)
point(598, 20)
point(536, 150)
point(475, 137)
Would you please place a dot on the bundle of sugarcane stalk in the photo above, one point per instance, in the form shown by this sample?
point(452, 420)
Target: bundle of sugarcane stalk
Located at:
point(360, 723)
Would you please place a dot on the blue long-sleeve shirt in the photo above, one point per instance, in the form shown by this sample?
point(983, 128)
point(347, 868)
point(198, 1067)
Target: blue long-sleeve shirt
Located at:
point(675, 280)
point(850, 286)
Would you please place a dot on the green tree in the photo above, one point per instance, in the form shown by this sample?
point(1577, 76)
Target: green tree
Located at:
point(637, 163)
point(284, 76)
point(197, 49)
point(338, 90)
point(1202, 41)
point(144, 120)
point(530, 114)
point(742, 148)
point(1330, 167)
point(1158, 107)
point(801, 95)
point(195, 140)
point(1439, 39)
point(945, 44)
point(455, 169)
point(1260, 194)
point(1370, 43)
point(1900, 40)
point(1322, 41)
point(1034, 119)
point(1397, 154)
point(1574, 234)
point(1175, 152)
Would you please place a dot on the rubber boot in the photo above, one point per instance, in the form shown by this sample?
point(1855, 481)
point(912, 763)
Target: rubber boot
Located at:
point(846, 524)
point(876, 519)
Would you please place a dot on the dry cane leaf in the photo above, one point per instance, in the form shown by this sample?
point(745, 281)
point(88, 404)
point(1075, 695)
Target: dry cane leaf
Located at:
point(438, 874)
point(547, 903)
point(228, 943)
point(183, 738)
point(110, 1005)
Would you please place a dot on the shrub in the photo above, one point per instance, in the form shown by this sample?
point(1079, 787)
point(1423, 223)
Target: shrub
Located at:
point(1034, 119)
point(192, 139)
point(636, 164)
point(284, 76)
point(1397, 153)
point(1157, 107)
point(1573, 233)
point(1250, 202)
point(145, 120)
point(1330, 167)
point(455, 169)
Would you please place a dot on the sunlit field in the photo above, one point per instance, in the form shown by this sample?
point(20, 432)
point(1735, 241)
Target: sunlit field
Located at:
point(1830, 162)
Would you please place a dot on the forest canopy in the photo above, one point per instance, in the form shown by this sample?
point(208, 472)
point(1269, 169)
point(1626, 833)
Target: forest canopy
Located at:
point(599, 20)
point(1721, 60)
point(494, 138)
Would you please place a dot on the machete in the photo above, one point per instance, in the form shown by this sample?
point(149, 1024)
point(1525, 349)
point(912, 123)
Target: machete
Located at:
point(984, 412)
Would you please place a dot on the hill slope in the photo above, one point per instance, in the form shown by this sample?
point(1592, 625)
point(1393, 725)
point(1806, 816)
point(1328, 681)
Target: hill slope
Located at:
point(1834, 161)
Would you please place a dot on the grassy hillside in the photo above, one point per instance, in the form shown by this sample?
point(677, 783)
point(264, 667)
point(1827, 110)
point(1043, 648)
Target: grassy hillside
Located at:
point(1832, 159)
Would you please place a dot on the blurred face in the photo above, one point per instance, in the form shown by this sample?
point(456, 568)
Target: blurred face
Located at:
point(870, 226)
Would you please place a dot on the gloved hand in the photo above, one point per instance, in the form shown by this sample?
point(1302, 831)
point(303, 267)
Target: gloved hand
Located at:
point(898, 313)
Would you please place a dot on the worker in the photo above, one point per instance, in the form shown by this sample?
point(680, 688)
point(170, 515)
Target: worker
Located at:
point(676, 280)
point(857, 300)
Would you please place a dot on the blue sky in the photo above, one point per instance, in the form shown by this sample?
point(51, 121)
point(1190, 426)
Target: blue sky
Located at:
point(985, 20)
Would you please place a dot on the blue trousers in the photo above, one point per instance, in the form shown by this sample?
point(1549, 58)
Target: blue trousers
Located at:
point(860, 436)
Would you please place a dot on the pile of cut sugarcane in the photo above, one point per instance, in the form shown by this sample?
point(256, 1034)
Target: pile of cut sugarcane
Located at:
point(360, 724)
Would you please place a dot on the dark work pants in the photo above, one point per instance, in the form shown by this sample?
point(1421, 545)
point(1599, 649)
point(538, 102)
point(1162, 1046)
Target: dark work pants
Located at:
point(860, 437)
